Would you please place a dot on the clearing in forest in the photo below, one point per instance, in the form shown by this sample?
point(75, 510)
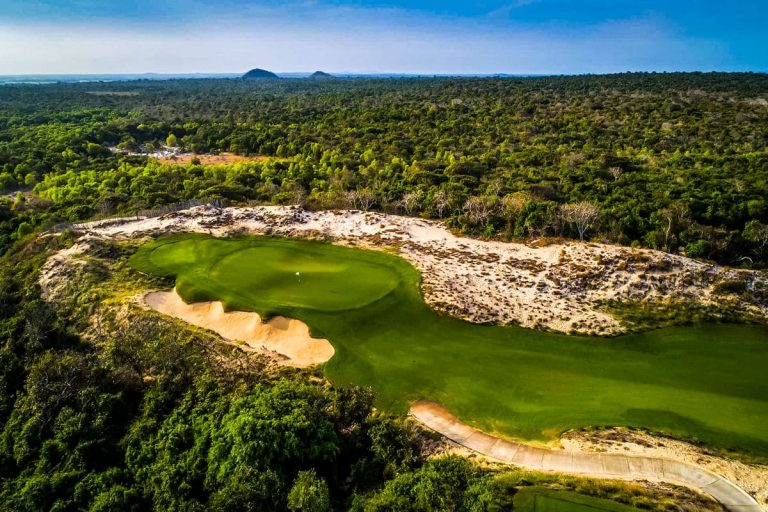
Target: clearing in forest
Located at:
point(210, 159)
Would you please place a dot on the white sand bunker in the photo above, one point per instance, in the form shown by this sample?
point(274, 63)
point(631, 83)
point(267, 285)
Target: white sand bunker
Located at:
point(288, 337)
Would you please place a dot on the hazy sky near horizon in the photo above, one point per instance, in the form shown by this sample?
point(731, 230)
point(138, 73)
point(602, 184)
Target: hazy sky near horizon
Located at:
point(384, 36)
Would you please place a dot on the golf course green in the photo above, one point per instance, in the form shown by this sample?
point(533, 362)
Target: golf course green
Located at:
point(702, 382)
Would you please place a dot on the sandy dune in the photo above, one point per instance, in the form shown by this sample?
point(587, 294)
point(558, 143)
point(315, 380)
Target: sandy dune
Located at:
point(557, 287)
point(288, 338)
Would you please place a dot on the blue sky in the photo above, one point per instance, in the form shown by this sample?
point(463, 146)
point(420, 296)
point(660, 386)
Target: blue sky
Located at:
point(490, 36)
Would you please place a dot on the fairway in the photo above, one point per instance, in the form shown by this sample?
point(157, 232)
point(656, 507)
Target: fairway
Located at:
point(705, 382)
point(540, 499)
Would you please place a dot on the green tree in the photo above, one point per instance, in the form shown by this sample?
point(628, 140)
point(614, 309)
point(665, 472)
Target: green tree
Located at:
point(309, 493)
point(24, 229)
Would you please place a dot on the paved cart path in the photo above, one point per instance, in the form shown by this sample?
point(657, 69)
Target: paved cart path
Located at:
point(603, 465)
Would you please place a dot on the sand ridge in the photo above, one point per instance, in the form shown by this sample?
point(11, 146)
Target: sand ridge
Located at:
point(558, 287)
point(287, 337)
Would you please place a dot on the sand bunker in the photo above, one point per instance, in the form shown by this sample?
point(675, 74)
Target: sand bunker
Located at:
point(285, 336)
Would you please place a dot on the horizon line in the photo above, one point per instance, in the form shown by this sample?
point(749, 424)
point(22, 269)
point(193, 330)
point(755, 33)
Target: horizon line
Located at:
point(299, 74)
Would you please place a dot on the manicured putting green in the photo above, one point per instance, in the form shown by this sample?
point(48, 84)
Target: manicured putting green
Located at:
point(270, 276)
point(707, 382)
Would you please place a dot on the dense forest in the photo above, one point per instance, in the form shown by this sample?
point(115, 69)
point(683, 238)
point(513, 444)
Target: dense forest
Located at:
point(107, 408)
point(676, 162)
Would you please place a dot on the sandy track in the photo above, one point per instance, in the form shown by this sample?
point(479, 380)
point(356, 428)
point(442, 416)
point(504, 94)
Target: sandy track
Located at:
point(289, 339)
point(602, 465)
point(557, 287)
point(753, 478)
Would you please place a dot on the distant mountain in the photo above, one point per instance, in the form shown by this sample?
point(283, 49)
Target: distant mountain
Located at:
point(321, 75)
point(259, 73)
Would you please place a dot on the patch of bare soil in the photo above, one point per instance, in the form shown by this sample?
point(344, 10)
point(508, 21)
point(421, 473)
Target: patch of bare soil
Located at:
point(59, 269)
point(206, 159)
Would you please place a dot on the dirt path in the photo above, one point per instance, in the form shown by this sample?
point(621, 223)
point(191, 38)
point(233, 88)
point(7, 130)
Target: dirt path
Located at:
point(602, 465)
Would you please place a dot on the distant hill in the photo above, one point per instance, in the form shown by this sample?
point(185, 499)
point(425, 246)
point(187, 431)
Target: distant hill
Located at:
point(259, 73)
point(321, 75)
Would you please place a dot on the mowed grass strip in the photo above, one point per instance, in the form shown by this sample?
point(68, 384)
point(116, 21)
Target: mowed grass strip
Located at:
point(539, 499)
point(703, 382)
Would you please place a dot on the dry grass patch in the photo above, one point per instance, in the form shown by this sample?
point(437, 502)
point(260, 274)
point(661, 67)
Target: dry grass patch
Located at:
point(219, 159)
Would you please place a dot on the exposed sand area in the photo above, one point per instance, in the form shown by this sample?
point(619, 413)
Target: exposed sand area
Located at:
point(289, 339)
point(752, 478)
point(556, 287)
point(626, 466)
point(209, 159)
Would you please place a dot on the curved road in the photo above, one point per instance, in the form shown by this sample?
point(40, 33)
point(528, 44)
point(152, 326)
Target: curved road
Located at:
point(602, 465)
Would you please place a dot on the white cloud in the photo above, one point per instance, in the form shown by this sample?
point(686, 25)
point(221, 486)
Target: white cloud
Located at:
point(506, 10)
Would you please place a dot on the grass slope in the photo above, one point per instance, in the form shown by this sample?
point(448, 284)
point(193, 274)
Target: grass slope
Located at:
point(704, 382)
point(539, 499)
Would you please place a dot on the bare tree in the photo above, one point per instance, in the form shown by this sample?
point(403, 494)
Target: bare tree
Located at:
point(360, 199)
point(494, 188)
point(616, 172)
point(582, 215)
point(105, 207)
point(676, 217)
point(350, 197)
point(512, 205)
point(757, 233)
point(442, 201)
point(366, 198)
point(299, 195)
point(410, 202)
point(479, 208)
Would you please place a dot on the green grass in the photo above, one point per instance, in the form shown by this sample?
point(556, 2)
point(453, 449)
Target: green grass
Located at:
point(539, 499)
point(704, 382)
point(273, 277)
